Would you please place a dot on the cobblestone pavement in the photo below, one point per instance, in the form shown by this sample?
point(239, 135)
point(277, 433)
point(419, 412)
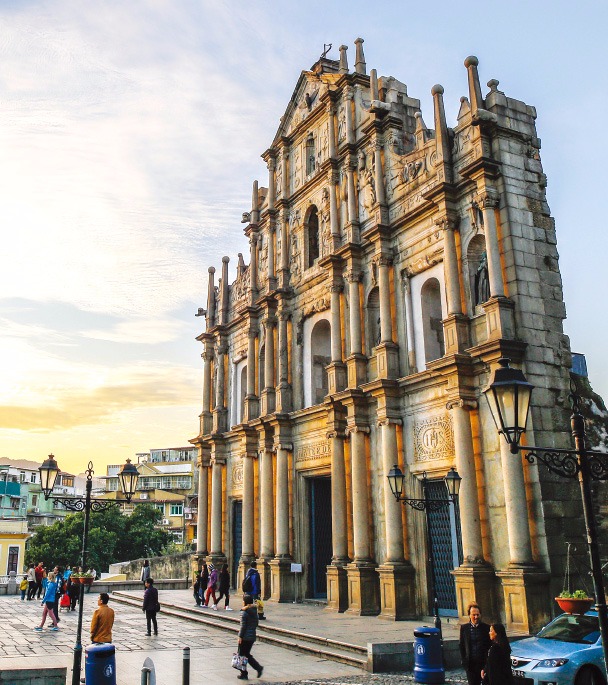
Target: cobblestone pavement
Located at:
point(211, 649)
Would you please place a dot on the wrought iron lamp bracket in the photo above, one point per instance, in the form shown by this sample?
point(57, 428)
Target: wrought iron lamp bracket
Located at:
point(566, 463)
point(426, 504)
point(80, 503)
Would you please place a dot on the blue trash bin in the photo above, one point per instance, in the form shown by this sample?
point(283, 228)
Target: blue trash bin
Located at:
point(100, 665)
point(428, 656)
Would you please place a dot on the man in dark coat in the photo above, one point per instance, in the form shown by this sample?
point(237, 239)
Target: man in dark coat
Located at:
point(474, 644)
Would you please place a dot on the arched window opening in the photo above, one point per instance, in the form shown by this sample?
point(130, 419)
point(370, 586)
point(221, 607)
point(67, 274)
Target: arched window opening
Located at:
point(320, 348)
point(477, 261)
point(312, 230)
point(243, 392)
point(432, 325)
point(311, 157)
point(373, 318)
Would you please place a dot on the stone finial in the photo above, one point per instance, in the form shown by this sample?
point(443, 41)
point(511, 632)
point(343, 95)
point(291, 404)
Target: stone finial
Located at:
point(224, 291)
point(360, 66)
point(255, 204)
point(373, 85)
point(441, 129)
point(474, 86)
point(211, 299)
point(241, 265)
point(493, 85)
point(343, 68)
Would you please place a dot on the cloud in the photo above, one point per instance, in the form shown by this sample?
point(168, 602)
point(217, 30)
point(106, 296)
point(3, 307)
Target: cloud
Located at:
point(73, 408)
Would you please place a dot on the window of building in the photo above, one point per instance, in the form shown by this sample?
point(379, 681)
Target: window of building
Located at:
point(13, 559)
point(34, 500)
point(22, 477)
point(242, 392)
point(32, 477)
point(160, 507)
point(320, 347)
point(311, 155)
point(312, 236)
point(477, 263)
point(177, 510)
point(432, 325)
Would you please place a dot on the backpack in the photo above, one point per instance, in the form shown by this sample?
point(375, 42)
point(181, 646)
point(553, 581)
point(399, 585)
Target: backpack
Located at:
point(247, 583)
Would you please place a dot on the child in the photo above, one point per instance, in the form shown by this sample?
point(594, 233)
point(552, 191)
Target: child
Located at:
point(23, 586)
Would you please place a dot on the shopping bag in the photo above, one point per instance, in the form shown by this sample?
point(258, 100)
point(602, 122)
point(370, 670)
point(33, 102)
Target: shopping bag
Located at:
point(64, 601)
point(239, 662)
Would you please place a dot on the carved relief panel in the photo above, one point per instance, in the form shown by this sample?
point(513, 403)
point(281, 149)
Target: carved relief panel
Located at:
point(433, 438)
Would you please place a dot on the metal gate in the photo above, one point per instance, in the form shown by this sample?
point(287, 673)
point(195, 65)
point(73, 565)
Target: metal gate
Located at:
point(320, 534)
point(237, 539)
point(446, 547)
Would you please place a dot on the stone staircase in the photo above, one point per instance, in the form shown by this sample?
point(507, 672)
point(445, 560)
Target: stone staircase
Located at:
point(335, 650)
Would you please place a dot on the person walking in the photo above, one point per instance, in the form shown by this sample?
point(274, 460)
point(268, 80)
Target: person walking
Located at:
point(60, 590)
point(151, 606)
point(203, 584)
point(247, 636)
point(196, 587)
point(474, 644)
point(73, 592)
point(211, 586)
point(48, 603)
point(40, 572)
point(145, 571)
point(224, 587)
point(252, 584)
point(23, 585)
point(497, 670)
point(102, 621)
point(31, 582)
point(93, 573)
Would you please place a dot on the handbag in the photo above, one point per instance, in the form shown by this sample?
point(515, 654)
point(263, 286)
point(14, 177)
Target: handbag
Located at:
point(157, 608)
point(239, 662)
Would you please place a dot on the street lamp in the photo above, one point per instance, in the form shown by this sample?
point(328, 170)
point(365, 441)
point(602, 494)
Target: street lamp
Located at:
point(396, 480)
point(49, 471)
point(508, 395)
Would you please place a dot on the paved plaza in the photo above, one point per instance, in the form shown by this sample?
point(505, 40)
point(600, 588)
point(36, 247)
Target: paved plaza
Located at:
point(211, 649)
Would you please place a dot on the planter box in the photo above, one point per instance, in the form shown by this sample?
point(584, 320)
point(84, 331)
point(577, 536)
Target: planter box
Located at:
point(575, 606)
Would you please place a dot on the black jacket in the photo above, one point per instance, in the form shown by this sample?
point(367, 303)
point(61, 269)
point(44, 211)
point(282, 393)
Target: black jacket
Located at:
point(224, 582)
point(150, 599)
point(498, 666)
point(465, 644)
point(249, 623)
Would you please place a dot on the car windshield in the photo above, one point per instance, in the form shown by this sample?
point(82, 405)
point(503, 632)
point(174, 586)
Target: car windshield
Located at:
point(572, 628)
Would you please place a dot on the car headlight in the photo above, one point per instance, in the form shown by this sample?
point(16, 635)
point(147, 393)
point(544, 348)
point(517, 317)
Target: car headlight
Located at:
point(551, 663)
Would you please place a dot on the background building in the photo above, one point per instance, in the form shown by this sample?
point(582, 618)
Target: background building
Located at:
point(390, 266)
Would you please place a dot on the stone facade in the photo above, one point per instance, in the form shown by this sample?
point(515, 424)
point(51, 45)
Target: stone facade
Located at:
point(390, 266)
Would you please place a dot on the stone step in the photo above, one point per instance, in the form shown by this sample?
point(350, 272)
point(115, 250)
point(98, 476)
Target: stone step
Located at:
point(335, 650)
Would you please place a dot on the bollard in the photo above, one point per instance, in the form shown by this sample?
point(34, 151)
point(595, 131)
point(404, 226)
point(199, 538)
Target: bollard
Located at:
point(145, 675)
point(186, 666)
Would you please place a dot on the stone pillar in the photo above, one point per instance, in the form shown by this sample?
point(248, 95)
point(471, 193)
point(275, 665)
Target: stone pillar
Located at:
point(331, 119)
point(253, 268)
point(282, 588)
point(336, 370)
point(334, 217)
point(489, 201)
point(363, 587)
point(397, 588)
point(271, 185)
point(475, 579)
point(337, 583)
point(379, 173)
point(206, 415)
point(247, 540)
point(349, 96)
point(285, 186)
point(220, 413)
point(387, 351)
point(251, 399)
point(203, 508)
point(356, 362)
point(455, 326)
point(266, 520)
point(216, 554)
point(409, 325)
point(352, 197)
point(268, 393)
point(272, 281)
point(284, 393)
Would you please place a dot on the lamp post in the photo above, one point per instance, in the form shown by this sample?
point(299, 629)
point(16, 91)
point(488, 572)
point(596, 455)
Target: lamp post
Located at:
point(396, 480)
point(508, 395)
point(48, 474)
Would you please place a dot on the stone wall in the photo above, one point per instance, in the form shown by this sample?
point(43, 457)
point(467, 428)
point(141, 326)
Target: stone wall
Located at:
point(170, 566)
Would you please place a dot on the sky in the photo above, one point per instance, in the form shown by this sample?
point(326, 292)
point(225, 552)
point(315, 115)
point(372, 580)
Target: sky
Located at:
point(130, 135)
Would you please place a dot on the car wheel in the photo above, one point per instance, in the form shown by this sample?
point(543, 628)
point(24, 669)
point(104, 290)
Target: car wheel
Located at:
point(589, 676)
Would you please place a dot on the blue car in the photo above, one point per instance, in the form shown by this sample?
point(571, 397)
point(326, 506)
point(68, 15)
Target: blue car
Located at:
point(567, 651)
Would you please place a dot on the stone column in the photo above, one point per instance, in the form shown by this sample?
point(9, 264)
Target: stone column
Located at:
point(206, 416)
point(516, 507)
point(253, 267)
point(397, 587)
point(475, 579)
point(379, 172)
point(271, 186)
point(203, 508)
point(248, 553)
point(349, 96)
point(331, 117)
point(268, 393)
point(282, 588)
point(352, 197)
point(409, 325)
point(266, 520)
point(251, 399)
point(334, 217)
point(272, 283)
point(489, 201)
point(355, 362)
point(285, 186)
point(220, 413)
point(363, 588)
point(455, 326)
point(336, 370)
point(216, 553)
point(387, 351)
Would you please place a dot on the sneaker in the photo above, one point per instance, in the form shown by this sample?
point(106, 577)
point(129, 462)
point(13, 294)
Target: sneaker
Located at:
point(38, 629)
point(54, 628)
point(243, 676)
point(229, 608)
point(260, 671)
point(214, 607)
point(148, 634)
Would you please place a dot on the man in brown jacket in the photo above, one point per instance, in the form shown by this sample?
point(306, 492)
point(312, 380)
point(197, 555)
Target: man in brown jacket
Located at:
point(102, 621)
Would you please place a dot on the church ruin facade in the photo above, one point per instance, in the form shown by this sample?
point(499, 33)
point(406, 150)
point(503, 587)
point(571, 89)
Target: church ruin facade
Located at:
point(390, 266)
